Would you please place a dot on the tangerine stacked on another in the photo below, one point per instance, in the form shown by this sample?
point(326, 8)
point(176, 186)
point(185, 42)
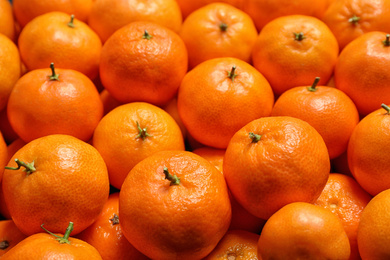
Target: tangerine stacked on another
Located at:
point(108, 16)
point(373, 235)
point(53, 179)
point(344, 197)
point(220, 96)
point(10, 68)
point(301, 230)
point(361, 71)
point(274, 161)
point(143, 61)
point(27, 10)
point(54, 101)
point(174, 205)
point(130, 133)
point(349, 19)
point(292, 50)
point(46, 245)
point(236, 244)
point(241, 218)
point(62, 39)
point(368, 162)
point(7, 24)
point(10, 236)
point(105, 234)
point(263, 12)
point(188, 7)
point(218, 30)
point(329, 110)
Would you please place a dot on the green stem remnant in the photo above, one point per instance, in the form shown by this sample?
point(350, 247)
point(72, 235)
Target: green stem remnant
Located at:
point(232, 74)
point(387, 41)
point(354, 19)
point(71, 24)
point(4, 245)
point(223, 27)
point(173, 178)
point(146, 35)
point(313, 88)
point(29, 167)
point(386, 107)
point(65, 238)
point(299, 36)
point(255, 137)
point(53, 75)
point(142, 132)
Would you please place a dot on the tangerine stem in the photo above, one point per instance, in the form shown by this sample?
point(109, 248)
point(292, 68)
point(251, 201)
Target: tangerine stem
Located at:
point(65, 238)
point(29, 167)
point(387, 41)
point(71, 24)
point(232, 74)
point(313, 87)
point(255, 137)
point(386, 107)
point(146, 35)
point(4, 245)
point(354, 19)
point(53, 75)
point(223, 27)
point(142, 132)
point(68, 230)
point(299, 36)
point(173, 178)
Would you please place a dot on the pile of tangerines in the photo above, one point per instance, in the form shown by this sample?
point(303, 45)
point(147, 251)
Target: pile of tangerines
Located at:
point(177, 129)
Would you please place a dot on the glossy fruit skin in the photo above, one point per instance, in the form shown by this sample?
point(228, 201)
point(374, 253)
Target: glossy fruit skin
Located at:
point(285, 61)
point(289, 163)
point(263, 12)
point(50, 38)
point(371, 16)
point(117, 137)
point(213, 107)
point(39, 106)
point(105, 234)
point(70, 182)
point(25, 11)
point(10, 68)
point(107, 16)
point(3, 155)
point(135, 68)
point(373, 231)
point(368, 164)
point(171, 109)
point(10, 236)
point(187, 7)
point(369, 56)
point(329, 110)
point(109, 102)
point(7, 23)
point(218, 30)
point(12, 148)
point(184, 221)
point(301, 230)
point(344, 197)
point(241, 218)
point(238, 243)
point(43, 246)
